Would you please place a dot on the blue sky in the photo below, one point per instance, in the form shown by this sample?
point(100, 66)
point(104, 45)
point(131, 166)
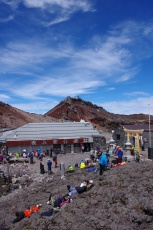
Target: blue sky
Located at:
point(99, 50)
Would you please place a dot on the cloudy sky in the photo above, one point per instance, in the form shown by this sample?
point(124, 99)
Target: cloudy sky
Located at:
point(99, 50)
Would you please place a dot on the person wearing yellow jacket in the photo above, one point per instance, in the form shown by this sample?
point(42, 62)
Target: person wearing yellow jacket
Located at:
point(82, 165)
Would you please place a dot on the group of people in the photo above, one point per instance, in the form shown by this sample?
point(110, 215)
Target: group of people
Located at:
point(117, 151)
point(60, 202)
point(57, 203)
point(49, 165)
point(104, 158)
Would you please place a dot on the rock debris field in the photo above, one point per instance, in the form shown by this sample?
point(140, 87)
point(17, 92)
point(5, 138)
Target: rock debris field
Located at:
point(121, 200)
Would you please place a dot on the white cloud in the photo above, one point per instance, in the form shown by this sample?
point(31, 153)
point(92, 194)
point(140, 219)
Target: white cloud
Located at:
point(71, 86)
point(139, 105)
point(4, 97)
point(71, 5)
point(9, 18)
point(39, 107)
point(55, 21)
point(12, 3)
point(59, 10)
point(111, 89)
point(109, 57)
point(136, 93)
point(104, 60)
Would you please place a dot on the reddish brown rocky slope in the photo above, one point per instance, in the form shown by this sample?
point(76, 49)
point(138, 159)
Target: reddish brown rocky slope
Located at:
point(70, 109)
point(11, 117)
point(76, 109)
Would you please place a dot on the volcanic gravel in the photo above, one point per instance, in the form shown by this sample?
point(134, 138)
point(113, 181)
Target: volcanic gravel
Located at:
point(121, 200)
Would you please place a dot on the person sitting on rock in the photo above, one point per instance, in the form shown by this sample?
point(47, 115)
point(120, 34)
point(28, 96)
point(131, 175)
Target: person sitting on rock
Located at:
point(24, 155)
point(70, 169)
point(26, 213)
point(82, 165)
point(92, 157)
point(17, 155)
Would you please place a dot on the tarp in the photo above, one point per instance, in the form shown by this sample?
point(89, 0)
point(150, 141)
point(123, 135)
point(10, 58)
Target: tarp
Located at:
point(120, 164)
point(92, 169)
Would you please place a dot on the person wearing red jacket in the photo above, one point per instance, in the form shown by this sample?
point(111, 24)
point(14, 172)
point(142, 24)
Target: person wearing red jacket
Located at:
point(26, 213)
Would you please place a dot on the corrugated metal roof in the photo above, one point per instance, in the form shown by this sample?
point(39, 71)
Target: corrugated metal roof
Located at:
point(145, 127)
point(36, 131)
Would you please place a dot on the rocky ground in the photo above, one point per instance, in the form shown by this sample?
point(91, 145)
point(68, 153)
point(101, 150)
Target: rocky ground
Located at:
point(122, 200)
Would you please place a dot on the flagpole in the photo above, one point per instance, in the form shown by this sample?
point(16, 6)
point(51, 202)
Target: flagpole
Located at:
point(149, 128)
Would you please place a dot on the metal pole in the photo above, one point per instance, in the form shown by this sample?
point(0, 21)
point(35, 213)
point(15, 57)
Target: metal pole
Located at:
point(149, 128)
point(62, 168)
point(8, 170)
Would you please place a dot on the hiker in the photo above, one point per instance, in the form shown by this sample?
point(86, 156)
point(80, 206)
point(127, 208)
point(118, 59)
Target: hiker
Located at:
point(82, 165)
point(84, 186)
point(17, 155)
point(51, 152)
point(42, 170)
point(41, 155)
point(132, 150)
point(95, 153)
point(92, 157)
point(103, 163)
point(59, 202)
point(31, 157)
point(82, 148)
point(26, 213)
point(115, 150)
point(87, 161)
point(91, 151)
point(70, 169)
point(55, 160)
point(8, 158)
point(99, 154)
point(120, 155)
point(24, 155)
point(49, 164)
point(107, 154)
point(72, 190)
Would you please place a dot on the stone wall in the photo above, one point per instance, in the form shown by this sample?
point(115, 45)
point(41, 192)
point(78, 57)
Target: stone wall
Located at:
point(99, 142)
point(120, 138)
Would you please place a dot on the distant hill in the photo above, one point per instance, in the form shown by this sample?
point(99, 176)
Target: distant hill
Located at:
point(70, 109)
point(11, 117)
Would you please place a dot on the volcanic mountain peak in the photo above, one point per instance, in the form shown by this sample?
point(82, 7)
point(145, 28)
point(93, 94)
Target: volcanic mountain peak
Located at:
point(76, 109)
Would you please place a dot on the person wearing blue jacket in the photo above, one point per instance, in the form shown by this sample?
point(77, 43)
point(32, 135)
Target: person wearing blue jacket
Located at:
point(103, 163)
point(120, 155)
